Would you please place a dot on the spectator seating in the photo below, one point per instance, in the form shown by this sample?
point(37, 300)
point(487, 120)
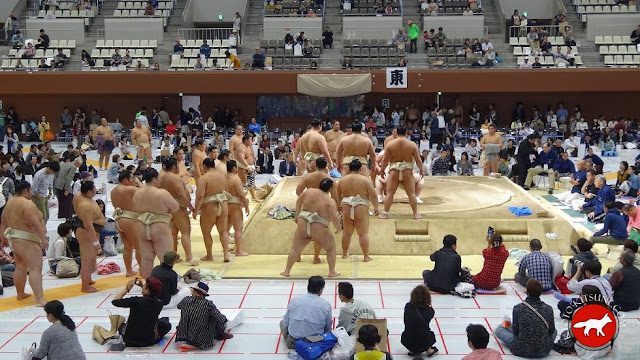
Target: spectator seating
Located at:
point(127, 44)
point(547, 60)
point(141, 5)
point(40, 53)
point(184, 63)
point(522, 41)
point(275, 48)
point(585, 7)
point(218, 48)
point(284, 7)
point(368, 7)
point(618, 51)
point(452, 7)
point(522, 50)
point(86, 14)
point(66, 5)
point(289, 62)
point(105, 53)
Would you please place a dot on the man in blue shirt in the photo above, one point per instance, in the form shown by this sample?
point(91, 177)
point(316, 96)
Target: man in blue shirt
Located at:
point(258, 59)
point(614, 231)
point(594, 208)
point(545, 162)
point(578, 178)
point(307, 315)
point(564, 166)
point(178, 48)
point(595, 159)
point(562, 113)
point(205, 49)
point(254, 127)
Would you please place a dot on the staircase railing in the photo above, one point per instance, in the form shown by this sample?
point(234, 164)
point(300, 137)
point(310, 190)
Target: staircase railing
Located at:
point(205, 33)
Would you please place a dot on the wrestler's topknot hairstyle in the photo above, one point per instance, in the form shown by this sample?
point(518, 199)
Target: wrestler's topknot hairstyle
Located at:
point(326, 184)
point(321, 163)
point(355, 165)
point(209, 163)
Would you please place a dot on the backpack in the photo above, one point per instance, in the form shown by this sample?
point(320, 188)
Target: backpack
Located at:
point(3, 200)
point(313, 350)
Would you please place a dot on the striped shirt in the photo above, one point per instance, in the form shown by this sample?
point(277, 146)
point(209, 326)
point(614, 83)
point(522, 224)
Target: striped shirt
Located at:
point(200, 322)
point(42, 183)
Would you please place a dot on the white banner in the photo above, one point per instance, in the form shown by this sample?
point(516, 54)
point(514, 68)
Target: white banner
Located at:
point(397, 78)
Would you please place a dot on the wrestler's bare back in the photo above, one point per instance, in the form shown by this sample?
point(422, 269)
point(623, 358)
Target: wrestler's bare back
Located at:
point(122, 196)
point(356, 184)
point(22, 214)
point(154, 200)
point(400, 150)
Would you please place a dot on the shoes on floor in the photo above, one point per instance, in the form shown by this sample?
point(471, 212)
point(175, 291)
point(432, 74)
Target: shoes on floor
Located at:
point(526, 188)
point(550, 191)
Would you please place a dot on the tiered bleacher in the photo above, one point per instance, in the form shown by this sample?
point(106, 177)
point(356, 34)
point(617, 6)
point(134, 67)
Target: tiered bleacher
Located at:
point(449, 7)
point(522, 49)
point(288, 7)
point(138, 49)
point(618, 51)
point(371, 52)
point(289, 58)
point(86, 14)
point(586, 7)
point(9, 63)
point(371, 7)
point(138, 9)
point(192, 51)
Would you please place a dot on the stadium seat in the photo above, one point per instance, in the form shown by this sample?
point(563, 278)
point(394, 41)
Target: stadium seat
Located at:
point(619, 60)
point(604, 50)
point(108, 43)
point(599, 40)
point(628, 60)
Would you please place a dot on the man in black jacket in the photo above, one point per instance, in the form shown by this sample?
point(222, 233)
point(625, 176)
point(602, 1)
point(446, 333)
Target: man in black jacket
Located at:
point(265, 161)
point(446, 274)
point(526, 148)
point(288, 166)
point(171, 295)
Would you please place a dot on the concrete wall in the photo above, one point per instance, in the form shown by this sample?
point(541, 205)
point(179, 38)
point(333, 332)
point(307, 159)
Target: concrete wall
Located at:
point(7, 6)
point(134, 28)
point(275, 28)
point(187, 15)
point(371, 27)
point(618, 24)
point(207, 11)
point(57, 29)
point(457, 26)
point(537, 9)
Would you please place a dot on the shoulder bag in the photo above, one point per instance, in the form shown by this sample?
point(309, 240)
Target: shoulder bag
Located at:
point(67, 268)
point(537, 313)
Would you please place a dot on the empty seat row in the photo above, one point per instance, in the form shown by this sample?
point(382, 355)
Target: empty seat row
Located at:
point(618, 49)
point(288, 63)
point(128, 5)
point(190, 63)
point(280, 52)
point(135, 53)
point(546, 60)
point(214, 43)
point(139, 13)
point(612, 40)
point(631, 60)
point(375, 62)
point(27, 63)
point(525, 50)
point(594, 2)
point(371, 51)
point(40, 53)
point(371, 11)
point(127, 44)
point(523, 41)
point(606, 9)
point(66, 14)
point(193, 53)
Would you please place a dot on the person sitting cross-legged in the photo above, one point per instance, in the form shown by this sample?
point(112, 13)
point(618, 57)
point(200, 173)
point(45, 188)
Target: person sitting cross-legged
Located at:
point(614, 231)
point(594, 207)
point(369, 338)
point(627, 245)
point(544, 164)
point(201, 323)
point(625, 283)
point(446, 274)
point(478, 339)
point(307, 315)
point(352, 309)
point(532, 331)
point(171, 295)
point(537, 266)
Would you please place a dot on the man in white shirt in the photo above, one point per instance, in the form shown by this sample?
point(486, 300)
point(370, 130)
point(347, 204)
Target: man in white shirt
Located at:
point(233, 39)
point(352, 309)
point(486, 45)
point(571, 145)
point(525, 64)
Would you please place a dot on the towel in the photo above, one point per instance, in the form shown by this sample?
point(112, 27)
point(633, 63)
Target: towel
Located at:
point(109, 268)
point(334, 173)
point(281, 212)
point(520, 210)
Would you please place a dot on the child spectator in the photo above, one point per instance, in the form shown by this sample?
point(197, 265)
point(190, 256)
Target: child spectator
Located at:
point(369, 338)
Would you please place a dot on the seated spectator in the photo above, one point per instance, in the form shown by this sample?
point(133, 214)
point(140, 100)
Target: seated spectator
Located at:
point(43, 40)
point(402, 62)
point(278, 152)
point(526, 64)
point(635, 35)
point(346, 63)
point(19, 64)
point(149, 10)
point(495, 256)
point(234, 61)
point(536, 63)
point(608, 146)
point(536, 266)
point(440, 39)
point(568, 37)
point(352, 309)
point(614, 231)
point(258, 59)
point(571, 144)
point(17, 40)
point(594, 207)
point(532, 34)
point(478, 339)
point(546, 47)
point(201, 323)
point(178, 48)
point(171, 295)
point(327, 36)
point(288, 166)
point(126, 59)
point(314, 65)
point(198, 65)
point(60, 59)
point(467, 11)
point(233, 40)
point(432, 8)
point(143, 326)
point(440, 166)
point(531, 333)
point(301, 38)
point(369, 338)
point(486, 45)
point(464, 166)
point(504, 166)
point(564, 167)
point(29, 52)
point(307, 49)
point(400, 41)
point(265, 161)
point(633, 226)
point(116, 58)
point(624, 283)
point(544, 163)
point(288, 39)
point(60, 340)
point(559, 57)
point(43, 65)
point(307, 315)
point(205, 49)
point(592, 270)
point(7, 262)
point(417, 336)
point(446, 273)
point(471, 148)
point(488, 59)
point(583, 255)
point(87, 60)
point(58, 248)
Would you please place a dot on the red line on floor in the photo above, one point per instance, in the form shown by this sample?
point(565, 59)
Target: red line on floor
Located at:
point(476, 301)
point(517, 293)
point(169, 342)
point(223, 342)
point(278, 343)
point(381, 298)
point(335, 296)
point(245, 295)
point(290, 293)
point(81, 322)
point(441, 337)
point(19, 332)
point(102, 302)
point(497, 340)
